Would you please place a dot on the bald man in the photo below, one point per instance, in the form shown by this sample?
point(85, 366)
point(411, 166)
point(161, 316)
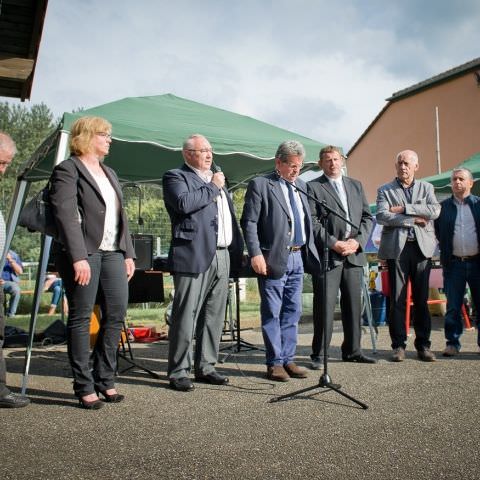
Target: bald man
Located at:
point(406, 208)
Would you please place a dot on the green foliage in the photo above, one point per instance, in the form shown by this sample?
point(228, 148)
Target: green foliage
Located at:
point(28, 126)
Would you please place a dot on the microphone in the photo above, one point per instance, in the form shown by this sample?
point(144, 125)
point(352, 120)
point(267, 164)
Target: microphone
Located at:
point(216, 169)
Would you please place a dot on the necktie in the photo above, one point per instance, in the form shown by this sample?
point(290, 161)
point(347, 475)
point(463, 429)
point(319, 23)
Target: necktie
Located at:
point(343, 198)
point(297, 222)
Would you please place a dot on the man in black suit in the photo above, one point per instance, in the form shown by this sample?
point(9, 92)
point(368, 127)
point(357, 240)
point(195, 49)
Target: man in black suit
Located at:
point(346, 257)
point(7, 398)
point(277, 225)
point(204, 233)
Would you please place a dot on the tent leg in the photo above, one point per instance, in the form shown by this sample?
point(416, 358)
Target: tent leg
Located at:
point(46, 243)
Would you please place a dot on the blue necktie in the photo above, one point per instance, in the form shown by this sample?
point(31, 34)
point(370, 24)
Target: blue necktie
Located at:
point(297, 222)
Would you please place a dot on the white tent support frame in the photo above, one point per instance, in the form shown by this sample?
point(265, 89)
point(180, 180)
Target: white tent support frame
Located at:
point(21, 191)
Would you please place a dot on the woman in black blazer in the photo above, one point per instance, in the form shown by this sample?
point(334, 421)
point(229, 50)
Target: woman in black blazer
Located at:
point(94, 257)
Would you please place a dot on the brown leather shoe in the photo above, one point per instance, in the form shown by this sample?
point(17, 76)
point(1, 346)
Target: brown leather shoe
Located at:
point(398, 354)
point(277, 373)
point(295, 371)
point(426, 355)
point(450, 351)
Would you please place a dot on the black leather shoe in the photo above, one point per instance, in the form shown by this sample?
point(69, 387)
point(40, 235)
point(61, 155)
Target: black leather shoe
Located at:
point(213, 378)
point(13, 401)
point(183, 384)
point(361, 358)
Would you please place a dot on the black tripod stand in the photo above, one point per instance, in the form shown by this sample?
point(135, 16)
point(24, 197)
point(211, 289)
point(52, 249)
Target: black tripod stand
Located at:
point(325, 380)
point(125, 352)
point(235, 330)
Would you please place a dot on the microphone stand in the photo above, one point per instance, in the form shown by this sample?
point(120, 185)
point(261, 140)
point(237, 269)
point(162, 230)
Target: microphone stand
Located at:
point(325, 381)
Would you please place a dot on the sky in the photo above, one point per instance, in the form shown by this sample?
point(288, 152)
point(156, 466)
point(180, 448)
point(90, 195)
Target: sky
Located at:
point(322, 69)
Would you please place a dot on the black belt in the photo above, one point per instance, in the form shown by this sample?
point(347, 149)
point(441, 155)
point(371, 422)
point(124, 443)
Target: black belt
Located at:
point(411, 239)
point(469, 258)
point(222, 248)
point(295, 248)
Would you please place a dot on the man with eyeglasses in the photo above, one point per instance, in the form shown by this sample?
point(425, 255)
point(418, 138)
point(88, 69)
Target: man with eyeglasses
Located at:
point(346, 257)
point(7, 398)
point(205, 236)
point(278, 231)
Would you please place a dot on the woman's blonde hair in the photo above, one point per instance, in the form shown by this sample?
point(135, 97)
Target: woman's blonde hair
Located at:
point(82, 132)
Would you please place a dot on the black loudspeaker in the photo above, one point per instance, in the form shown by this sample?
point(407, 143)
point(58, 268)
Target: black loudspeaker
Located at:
point(146, 287)
point(143, 245)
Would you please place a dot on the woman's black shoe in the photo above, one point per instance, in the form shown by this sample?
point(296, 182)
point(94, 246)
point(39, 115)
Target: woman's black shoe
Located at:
point(113, 398)
point(93, 405)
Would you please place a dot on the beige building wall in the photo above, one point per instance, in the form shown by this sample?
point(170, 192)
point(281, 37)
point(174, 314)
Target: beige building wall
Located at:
point(409, 122)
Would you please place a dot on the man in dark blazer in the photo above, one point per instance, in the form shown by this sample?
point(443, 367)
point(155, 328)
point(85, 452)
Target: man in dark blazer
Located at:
point(406, 208)
point(7, 398)
point(204, 234)
point(278, 232)
point(458, 233)
point(346, 256)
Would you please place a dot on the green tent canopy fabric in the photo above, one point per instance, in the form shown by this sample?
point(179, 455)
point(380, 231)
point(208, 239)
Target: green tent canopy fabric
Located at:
point(148, 133)
point(442, 183)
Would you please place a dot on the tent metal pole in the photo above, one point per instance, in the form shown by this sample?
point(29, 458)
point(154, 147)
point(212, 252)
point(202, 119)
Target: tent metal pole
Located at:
point(45, 245)
point(21, 190)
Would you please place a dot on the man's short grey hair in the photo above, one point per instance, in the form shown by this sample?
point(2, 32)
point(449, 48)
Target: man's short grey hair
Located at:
point(289, 148)
point(408, 154)
point(7, 144)
point(188, 143)
point(462, 169)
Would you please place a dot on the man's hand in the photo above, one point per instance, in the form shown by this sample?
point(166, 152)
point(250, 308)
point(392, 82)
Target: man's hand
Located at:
point(420, 221)
point(259, 264)
point(397, 209)
point(218, 179)
point(346, 248)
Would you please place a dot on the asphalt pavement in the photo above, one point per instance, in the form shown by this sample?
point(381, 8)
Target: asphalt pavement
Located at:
point(422, 420)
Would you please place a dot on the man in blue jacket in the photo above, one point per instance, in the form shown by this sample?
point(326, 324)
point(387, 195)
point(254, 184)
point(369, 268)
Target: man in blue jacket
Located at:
point(458, 233)
point(12, 270)
point(277, 227)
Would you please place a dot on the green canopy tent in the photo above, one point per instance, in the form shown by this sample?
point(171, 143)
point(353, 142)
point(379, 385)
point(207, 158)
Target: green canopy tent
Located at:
point(147, 138)
point(442, 183)
point(148, 133)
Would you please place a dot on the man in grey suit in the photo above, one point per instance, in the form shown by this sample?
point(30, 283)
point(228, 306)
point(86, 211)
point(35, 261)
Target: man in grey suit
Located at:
point(345, 245)
point(277, 226)
point(204, 234)
point(406, 208)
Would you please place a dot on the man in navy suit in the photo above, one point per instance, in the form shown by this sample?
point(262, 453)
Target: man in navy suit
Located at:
point(458, 233)
point(277, 226)
point(204, 234)
point(346, 256)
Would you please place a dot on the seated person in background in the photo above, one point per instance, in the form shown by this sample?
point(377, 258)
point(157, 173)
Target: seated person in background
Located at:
point(54, 284)
point(11, 281)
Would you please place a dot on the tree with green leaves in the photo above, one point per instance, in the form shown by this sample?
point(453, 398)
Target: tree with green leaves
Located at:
point(28, 126)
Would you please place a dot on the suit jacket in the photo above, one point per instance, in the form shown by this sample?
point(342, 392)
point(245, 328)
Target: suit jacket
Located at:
point(191, 205)
point(396, 225)
point(445, 225)
point(359, 212)
point(267, 225)
point(79, 209)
